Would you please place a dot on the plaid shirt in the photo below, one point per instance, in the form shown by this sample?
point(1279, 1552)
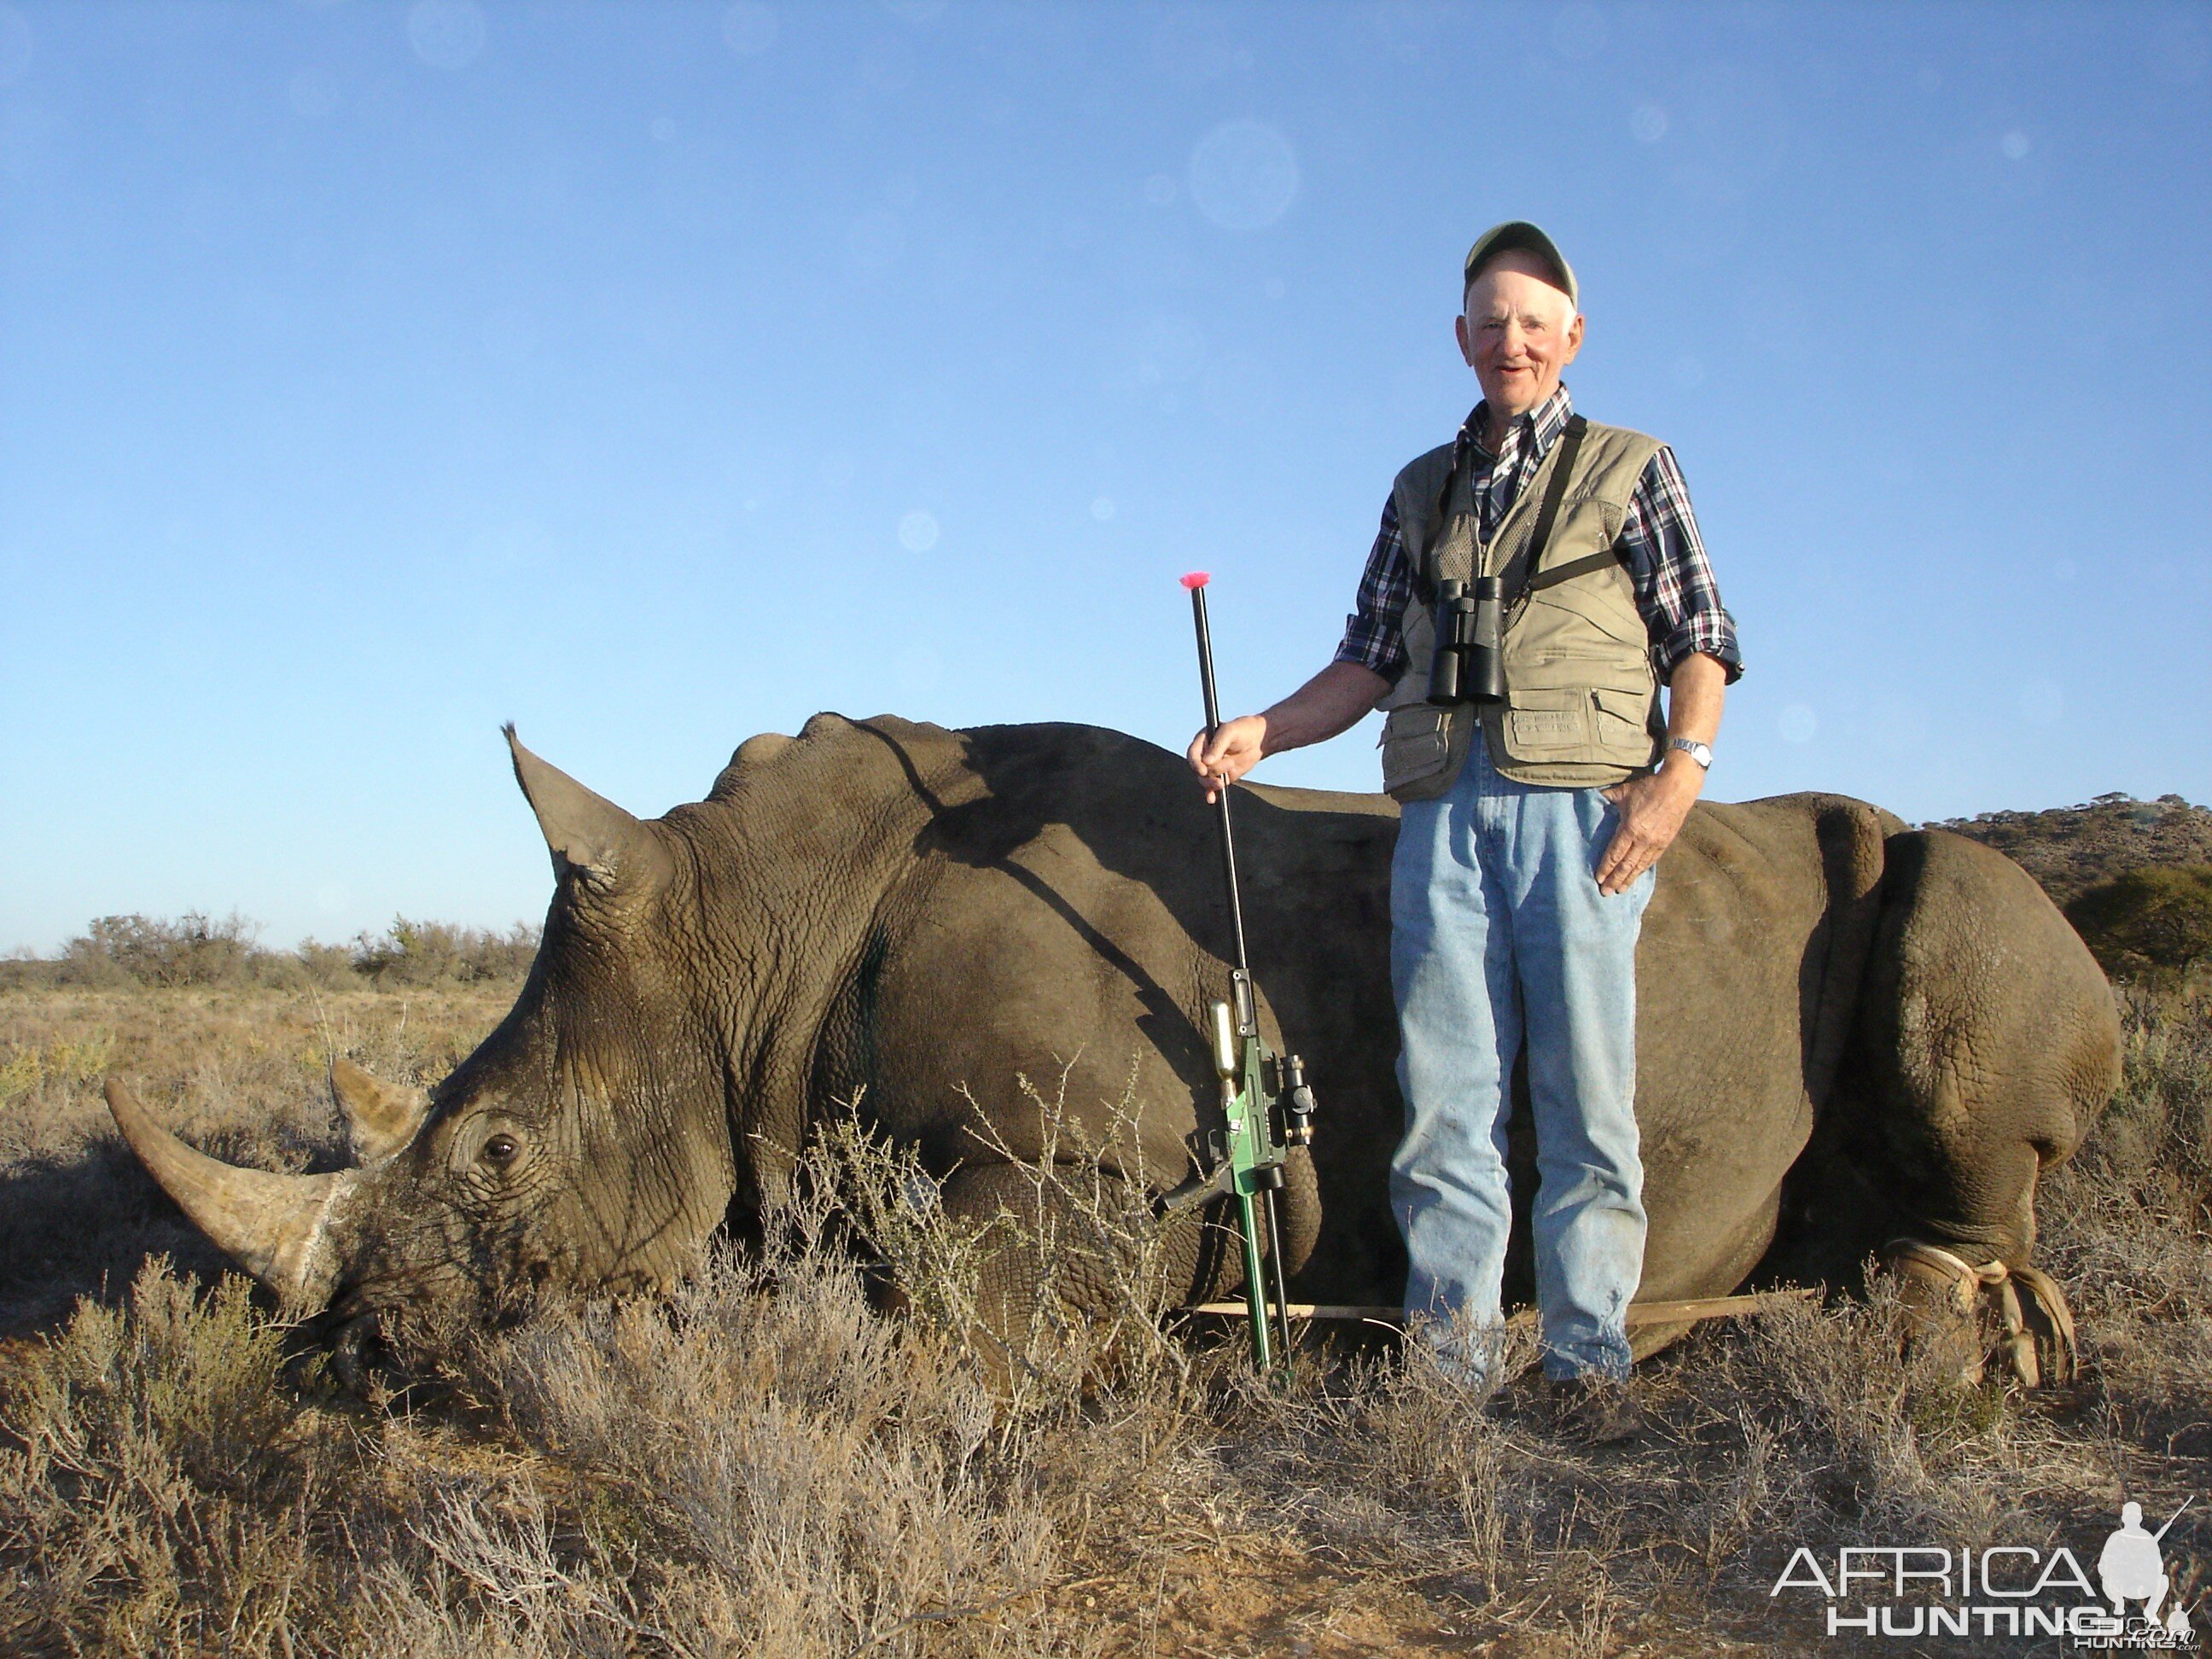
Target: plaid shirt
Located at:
point(1674, 583)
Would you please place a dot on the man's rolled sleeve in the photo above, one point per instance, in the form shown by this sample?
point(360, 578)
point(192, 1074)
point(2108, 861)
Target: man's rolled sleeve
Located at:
point(1675, 591)
point(1374, 635)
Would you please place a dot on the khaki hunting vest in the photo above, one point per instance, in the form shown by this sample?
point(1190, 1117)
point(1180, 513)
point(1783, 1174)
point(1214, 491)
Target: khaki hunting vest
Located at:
point(1582, 704)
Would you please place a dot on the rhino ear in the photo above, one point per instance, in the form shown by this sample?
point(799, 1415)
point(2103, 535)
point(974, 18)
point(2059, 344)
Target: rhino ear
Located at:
point(379, 1118)
point(585, 831)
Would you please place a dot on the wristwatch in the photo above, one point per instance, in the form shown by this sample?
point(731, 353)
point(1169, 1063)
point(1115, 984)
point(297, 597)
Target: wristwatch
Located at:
point(1700, 752)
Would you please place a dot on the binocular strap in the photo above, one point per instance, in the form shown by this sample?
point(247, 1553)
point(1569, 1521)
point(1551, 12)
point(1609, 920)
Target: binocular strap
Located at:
point(1555, 489)
point(1532, 556)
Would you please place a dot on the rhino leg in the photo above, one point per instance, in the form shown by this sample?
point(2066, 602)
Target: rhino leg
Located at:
point(1987, 1043)
point(1090, 1257)
point(1984, 1045)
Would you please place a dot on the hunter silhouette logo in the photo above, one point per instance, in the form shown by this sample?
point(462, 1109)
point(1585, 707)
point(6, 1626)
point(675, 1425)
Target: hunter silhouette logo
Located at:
point(2132, 1568)
point(2003, 1590)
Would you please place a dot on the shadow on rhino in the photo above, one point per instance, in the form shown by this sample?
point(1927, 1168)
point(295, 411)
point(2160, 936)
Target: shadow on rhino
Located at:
point(1850, 1033)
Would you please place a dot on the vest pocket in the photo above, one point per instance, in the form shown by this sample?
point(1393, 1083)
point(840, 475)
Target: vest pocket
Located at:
point(1622, 729)
point(1547, 723)
point(1416, 744)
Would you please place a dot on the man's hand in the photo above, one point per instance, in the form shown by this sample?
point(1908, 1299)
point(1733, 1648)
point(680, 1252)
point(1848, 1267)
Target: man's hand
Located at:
point(1331, 701)
point(1652, 809)
point(1238, 745)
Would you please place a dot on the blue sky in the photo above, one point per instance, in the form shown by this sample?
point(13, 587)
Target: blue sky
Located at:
point(654, 376)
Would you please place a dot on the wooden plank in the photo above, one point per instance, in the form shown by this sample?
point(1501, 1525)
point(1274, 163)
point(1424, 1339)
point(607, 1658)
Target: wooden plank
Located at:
point(1713, 1307)
point(1687, 1312)
point(1306, 1310)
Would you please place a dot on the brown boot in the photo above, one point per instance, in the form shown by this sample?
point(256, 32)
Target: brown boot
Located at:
point(1596, 1410)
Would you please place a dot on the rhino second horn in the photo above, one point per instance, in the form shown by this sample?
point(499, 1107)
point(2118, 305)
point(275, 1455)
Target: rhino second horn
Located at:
point(379, 1119)
point(585, 831)
point(278, 1227)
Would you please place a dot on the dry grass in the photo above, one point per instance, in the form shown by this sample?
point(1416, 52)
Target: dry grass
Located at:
point(769, 1465)
point(238, 1069)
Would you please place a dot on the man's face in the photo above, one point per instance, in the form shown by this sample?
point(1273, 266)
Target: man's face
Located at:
point(1519, 333)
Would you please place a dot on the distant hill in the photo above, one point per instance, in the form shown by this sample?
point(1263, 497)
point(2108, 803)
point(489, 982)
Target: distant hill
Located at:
point(2070, 848)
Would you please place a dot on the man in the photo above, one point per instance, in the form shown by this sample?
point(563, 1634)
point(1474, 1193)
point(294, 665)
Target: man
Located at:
point(1529, 830)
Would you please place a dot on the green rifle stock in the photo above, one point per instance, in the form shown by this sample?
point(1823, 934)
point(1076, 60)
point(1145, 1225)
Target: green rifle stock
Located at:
point(1248, 1150)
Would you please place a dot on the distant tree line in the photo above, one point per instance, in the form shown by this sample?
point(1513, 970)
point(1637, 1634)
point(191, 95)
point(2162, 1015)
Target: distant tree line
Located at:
point(2134, 877)
point(197, 949)
point(2070, 849)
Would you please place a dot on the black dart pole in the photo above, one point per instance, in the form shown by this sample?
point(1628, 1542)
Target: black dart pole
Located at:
point(1196, 583)
point(1251, 1156)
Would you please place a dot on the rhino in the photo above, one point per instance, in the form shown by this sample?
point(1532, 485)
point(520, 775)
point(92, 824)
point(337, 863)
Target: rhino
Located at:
point(1849, 1032)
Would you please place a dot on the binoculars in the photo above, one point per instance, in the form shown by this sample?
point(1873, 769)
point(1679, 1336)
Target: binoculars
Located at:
point(1468, 666)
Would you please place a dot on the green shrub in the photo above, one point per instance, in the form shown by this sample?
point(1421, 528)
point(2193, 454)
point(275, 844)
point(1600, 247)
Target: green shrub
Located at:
point(117, 952)
point(328, 965)
point(2155, 921)
point(442, 952)
point(194, 949)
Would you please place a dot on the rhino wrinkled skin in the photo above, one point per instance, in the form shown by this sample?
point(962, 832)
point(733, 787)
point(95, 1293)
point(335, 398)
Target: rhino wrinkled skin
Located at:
point(1847, 1029)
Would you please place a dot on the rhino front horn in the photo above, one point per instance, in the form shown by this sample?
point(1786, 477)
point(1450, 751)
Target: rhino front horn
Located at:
point(277, 1227)
point(586, 831)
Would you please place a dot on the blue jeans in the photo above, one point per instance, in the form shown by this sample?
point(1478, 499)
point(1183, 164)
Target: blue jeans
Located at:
point(1498, 930)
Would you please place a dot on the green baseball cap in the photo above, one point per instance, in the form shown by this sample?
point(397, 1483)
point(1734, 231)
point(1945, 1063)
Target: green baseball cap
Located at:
point(1520, 233)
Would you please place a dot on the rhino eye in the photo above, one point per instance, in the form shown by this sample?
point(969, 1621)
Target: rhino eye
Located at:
point(501, 1149)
